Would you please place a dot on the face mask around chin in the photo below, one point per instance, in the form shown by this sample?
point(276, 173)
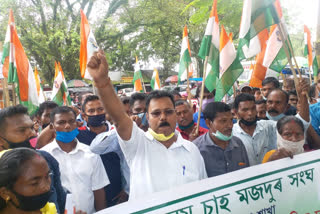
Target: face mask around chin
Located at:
point(248, 123)
point(31, 203)
point(275, 118)
point(67, 137)
point(221, 136)
point(23, 144)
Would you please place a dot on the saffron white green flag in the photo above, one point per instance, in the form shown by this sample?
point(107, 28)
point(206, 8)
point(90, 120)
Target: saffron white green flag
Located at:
point(210, 48)
point(275, 57)
point(6, 47)
point(155, 81)
point(88, 46)
point(137, 78)
point(60, 93)
point(185, 58)
point(230, 66)
point(40, 92)
point(309, 51)
point(22, 73)
point(256, 16)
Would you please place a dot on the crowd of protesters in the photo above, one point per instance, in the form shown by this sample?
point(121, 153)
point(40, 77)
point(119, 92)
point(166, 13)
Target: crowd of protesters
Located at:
point(106, 150)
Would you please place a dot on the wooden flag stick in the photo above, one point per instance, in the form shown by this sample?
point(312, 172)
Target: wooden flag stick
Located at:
point(284, 79)
point(5, 93)
point(14, 95)
point(234, 91)
point(288, 56)
point(188, 87)
point(202, 91)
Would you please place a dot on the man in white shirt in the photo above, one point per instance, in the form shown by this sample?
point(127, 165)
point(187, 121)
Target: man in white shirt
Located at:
point(159, 159)
point(82, 172)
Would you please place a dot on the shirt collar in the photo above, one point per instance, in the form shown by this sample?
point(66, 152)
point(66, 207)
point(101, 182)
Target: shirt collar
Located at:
point(258, 128)
point(77, 149)
point(179, 142)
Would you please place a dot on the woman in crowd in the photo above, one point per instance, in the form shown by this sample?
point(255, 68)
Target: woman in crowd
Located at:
point(24, 183)
point(290, 139)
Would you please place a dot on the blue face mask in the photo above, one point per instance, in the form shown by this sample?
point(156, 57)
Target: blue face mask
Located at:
point(221, 136)
point(144, 120)
point(67, 137)
point(275, 118)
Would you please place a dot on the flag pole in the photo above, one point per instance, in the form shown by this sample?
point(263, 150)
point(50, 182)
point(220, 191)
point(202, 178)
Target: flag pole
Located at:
point(284, 79)
point(234, 91)
point(6, 99)
point(188, 86)
point(14, 95)
point(202, 91)
point(288, 56)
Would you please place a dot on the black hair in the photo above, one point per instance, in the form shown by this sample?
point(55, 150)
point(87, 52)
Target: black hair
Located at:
point(10, 112)
point(12, 164)
point(46, 105)
point(125, 100)
point(212, 109)
point(312, 91)
point(198, 91)
point(272, 80)
point(290, 82)
point(137, 96)
point(181, 102)
point(292, 92)
point(283, 121)
point(254, 89)
point(61, 110)
point(242, 98)
point(156, 94)
point(175, 92)
point(88, 99)
point(283, 92)
point(80, 95)
point(258, 102)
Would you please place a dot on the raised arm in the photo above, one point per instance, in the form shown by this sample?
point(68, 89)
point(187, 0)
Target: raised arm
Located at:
point(98, 69)
point(302, 90)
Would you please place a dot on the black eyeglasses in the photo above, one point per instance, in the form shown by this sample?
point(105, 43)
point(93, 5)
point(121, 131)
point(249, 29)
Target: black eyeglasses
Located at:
point(167, 112)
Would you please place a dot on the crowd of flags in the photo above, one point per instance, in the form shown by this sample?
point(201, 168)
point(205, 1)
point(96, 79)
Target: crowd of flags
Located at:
point(263, 36)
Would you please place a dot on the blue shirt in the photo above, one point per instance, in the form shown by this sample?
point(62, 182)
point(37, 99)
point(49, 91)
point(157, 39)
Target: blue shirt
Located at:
point(219, 161)
point(202, 120)
point(315, 117)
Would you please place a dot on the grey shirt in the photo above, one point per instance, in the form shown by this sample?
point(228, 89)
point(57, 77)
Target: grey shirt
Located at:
point(219, 161)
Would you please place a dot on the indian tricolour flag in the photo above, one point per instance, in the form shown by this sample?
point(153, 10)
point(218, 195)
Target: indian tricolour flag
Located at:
point(22, 72)
point(257, 15)
point(137, 77)
point(6, 47)
point(275, 57)
point(230, 66)
point(308, 51)
point(40, 93)
point(210, 49)
point(88, 46)
point(259, 71)
point(155, 81)
point(185, 58)
point(60, 93)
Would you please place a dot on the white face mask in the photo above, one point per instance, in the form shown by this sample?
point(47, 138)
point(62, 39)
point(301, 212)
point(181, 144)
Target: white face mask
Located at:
point(294, 147)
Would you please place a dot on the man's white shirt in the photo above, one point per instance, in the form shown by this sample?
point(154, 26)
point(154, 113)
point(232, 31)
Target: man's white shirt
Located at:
point(82, 172)
point(154, 168)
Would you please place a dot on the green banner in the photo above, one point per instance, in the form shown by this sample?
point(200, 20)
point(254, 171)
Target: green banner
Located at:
point(287, 186)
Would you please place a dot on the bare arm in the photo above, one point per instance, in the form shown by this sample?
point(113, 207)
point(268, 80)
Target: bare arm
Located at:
point(98, 69)
point(313, 138)
point(99, 199)
point(302, 90)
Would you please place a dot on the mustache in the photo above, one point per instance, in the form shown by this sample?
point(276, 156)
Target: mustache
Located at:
point(163, 124)
point(273, 111)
